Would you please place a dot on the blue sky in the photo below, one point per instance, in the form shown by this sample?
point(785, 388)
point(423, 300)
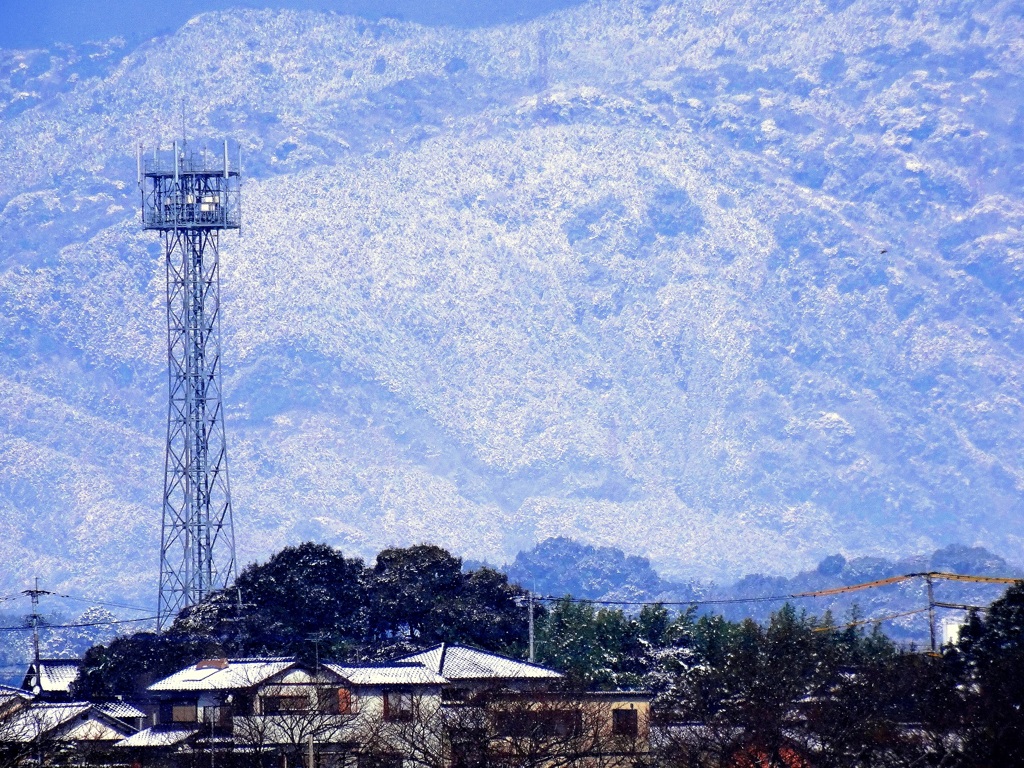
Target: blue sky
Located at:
point(42, 22)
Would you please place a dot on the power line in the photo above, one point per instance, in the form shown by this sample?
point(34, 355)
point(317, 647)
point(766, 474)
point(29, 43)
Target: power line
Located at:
point(106, 604)
point(720, 601)
point(795, 596)
point(88, 600)
point(879, 620)
point(82, 624)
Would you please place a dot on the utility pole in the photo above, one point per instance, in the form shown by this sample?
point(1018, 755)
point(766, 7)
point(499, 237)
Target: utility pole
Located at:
point(529, 597)
point(34, 594)
point(931, 612)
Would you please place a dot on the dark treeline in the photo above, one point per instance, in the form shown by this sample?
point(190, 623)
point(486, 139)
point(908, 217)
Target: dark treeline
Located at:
point(795, 685)
point(312, 602)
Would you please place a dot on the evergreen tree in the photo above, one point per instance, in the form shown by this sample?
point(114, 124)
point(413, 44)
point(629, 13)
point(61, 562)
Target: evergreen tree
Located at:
point(992, 653)
point(126, 665)
point(305, 601)
point(415, 595)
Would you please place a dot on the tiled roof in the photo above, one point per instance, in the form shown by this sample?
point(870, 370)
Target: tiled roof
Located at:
point(9, 693)
point(237, 673)
point(95, 730)
point(460, 662)
point(55, 675)
point(157, 737)
point(387, 674)
point(120, 709)
point(40, 718)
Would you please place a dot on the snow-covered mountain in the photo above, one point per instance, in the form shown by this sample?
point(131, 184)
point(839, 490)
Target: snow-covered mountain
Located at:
point(560, 566)
point(731, 284)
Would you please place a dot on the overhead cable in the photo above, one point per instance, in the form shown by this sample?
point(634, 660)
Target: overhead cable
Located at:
point(82, 624)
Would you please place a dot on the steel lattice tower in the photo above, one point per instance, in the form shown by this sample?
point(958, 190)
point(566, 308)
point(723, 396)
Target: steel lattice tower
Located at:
point(189, 198)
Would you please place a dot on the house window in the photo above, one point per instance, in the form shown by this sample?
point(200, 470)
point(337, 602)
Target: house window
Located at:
point(546, 724)
point(624, 722)
point(469, 753)
point(184, 713)
point(281, 705)
point(243, 703)
point(327, 700)
point(345, 703)
point(220, 716)
point(397, 705)
point(335, 701)
point(562, 723)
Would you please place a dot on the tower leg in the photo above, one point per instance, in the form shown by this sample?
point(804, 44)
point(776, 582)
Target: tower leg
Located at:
point(197, 554)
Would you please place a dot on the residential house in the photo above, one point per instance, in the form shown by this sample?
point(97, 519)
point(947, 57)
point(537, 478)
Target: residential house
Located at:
point(126, 713)
point(44, 731)
point(280, 709)
point(51, 679)
point(451, 706)
point(471, 671)
point(603, 728)
point(12, 699)
point(501, 710)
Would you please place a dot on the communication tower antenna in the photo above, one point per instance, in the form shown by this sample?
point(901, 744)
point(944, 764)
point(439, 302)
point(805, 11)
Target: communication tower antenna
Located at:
point(189, 199)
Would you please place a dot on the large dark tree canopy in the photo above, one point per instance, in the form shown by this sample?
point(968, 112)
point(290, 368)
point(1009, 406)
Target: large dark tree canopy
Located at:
point(416, 593)
point(421, 596)
point(312, 602)
point(128, 664)
point(302, 598)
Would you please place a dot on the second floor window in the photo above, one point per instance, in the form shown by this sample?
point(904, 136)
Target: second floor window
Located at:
point(539, 724)
point(220, 716)
point(397, 705)
point(335, 701)
point(282, 705)
point(184, 713)
point(624, 722)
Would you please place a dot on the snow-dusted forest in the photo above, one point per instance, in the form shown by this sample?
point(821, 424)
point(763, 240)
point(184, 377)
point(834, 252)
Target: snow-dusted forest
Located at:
point(694, 279)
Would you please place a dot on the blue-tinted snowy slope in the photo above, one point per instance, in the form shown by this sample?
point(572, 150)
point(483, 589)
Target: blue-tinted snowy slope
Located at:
point(730, 285)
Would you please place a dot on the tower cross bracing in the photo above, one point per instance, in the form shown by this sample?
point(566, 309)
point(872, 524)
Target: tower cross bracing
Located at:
point(190, 198)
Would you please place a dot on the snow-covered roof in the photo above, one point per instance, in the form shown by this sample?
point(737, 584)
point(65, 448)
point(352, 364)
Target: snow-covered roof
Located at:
point(120, 709)
point(9, 694)
point(223, 675)
point(460, 662)
point(53, 675)
point(41, 717)
point(94, 730)
point(45, 717)
point(387, 674)
point(158, 737)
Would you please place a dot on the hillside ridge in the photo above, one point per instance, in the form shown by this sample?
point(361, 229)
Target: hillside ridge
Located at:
point(688, 279)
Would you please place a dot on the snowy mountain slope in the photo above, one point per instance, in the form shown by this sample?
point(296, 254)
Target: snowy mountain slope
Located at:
point(729, 284)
